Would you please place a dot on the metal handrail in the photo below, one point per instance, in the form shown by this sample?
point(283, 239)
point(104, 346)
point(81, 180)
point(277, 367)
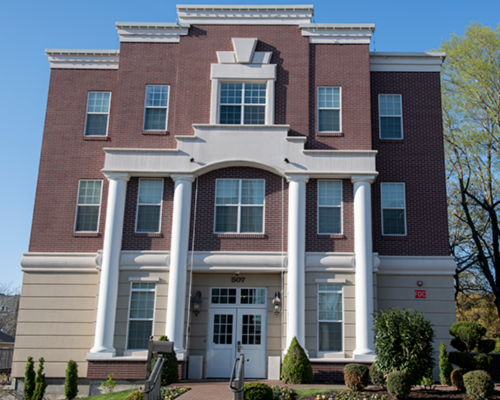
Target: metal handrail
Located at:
point(153, 378)
point(231, 387)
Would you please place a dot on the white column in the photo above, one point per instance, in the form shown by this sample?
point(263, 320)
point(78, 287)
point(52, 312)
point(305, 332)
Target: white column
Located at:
point(296, 271)
point(176, 303)
point(108, 287)
point(363, 252)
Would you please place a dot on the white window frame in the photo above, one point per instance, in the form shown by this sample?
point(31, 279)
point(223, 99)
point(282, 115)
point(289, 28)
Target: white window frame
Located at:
point(325, 353)
point(97, 113)
point(341, 208)
point(380, 116)
point(146, 107)
point(88, 205)
point(238, 303)
point(329, 108)
point(382, 208)
point(239, 205)
point(149, 204)
point(242, 104)
point(142, 280)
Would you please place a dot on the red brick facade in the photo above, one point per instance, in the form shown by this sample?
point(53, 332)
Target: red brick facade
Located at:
point(416, 160)
point(122, 370)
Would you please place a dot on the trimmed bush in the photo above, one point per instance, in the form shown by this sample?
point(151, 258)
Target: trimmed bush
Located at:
point(399, 384)
point(403, 342)
point(356, 377)
point(445, 367)
point(71, 381)
point(170, 372)
point(467, 337)
point(40, 383)
point(377, 377)
point(296, 366)
point(29, 379)
point(457, 379)
point(257, 391)
point(478, 385)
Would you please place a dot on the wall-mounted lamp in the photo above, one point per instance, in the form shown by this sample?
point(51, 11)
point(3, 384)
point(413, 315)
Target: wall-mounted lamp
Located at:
point(196, 303)
point(277, 304)
point(191, 159)
point(287, 160)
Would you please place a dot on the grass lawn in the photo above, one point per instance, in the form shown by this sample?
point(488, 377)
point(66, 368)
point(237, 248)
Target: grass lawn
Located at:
point(301, 393)
point(113, 396)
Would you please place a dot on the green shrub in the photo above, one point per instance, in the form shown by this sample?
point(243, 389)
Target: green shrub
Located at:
point(109, 385)
point(467, 337)
point(403, 342)
point(428, 380)
point(29, 379)
point(377, 377)
point(296, 366)
point(399, 384)
point(257, 391)
point(276, 392)
point(445, 366)
point(457, 378)
point(40, 383)
point(170, 372)
point(356, 376)
point(71, 382)
point(478, 385)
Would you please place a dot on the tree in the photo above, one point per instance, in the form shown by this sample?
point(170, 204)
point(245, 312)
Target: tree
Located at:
point(9, 307)
point(471, 117)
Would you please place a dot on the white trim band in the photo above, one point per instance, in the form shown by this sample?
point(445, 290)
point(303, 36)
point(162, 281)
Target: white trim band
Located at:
point(417, 265)
point(156, 32)
point(338, 33)
point(83, 59)
point(406, 62)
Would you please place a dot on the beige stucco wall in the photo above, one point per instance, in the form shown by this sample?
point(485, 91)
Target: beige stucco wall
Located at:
point(56, 321)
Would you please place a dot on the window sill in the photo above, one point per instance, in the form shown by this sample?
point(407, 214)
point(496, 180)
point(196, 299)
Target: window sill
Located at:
point(240, 235)
point(96, 138)
point(330, 236)
point(399, 141)
point(156, 133)
point(330, 134)
point(395, 238)
point(86, 234)
point(148, 234)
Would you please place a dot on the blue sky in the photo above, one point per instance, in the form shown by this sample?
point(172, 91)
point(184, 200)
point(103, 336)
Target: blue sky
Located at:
point(28, 27)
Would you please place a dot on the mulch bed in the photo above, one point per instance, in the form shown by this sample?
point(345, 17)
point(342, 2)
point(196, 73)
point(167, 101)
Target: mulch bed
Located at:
point(438, 393)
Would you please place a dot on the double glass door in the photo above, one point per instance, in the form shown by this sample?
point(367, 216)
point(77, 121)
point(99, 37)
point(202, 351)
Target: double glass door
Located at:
point(235, 331)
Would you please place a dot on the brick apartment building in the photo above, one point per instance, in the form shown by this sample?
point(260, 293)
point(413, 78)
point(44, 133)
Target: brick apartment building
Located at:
point(231, 181)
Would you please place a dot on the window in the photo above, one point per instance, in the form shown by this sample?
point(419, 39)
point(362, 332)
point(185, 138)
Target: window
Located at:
point(155, 108)
point(88, 206)
point(242, 103)
point(239, 205)
point(393, 209)
point(223, 296)
point(149, 205)
point(391, 121)
point(256, 297)
point(329, 207)
point(330, 317)
point(97, 114)
point(328, 109)
point(141, 314)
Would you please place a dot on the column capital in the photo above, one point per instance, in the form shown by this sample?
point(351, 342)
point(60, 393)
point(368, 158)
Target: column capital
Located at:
point(183, 177)
point(363, 178)
point(117, 176)
point(300, 178)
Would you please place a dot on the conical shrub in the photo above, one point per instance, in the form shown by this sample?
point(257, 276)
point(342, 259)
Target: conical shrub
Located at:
point(296, 366)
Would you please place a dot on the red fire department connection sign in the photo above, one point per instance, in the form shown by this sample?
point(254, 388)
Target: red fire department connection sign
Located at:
point(420, 294)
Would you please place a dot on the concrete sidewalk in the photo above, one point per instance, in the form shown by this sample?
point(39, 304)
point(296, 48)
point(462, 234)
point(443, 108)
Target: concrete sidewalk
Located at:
point(219, 389)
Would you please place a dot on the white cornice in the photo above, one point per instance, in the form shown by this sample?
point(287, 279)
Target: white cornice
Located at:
point(417, 265)
point(83, 59)
point(338, 33)
point(245, 14)
point(156, 32)
point(406, 62)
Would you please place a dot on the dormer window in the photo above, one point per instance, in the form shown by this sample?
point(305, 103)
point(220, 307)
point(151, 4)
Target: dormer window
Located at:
point(243, 103)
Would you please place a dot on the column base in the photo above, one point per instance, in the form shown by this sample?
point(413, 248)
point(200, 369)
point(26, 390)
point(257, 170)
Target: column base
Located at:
point(181, 354)
point(101, 354)
point(368, 355)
